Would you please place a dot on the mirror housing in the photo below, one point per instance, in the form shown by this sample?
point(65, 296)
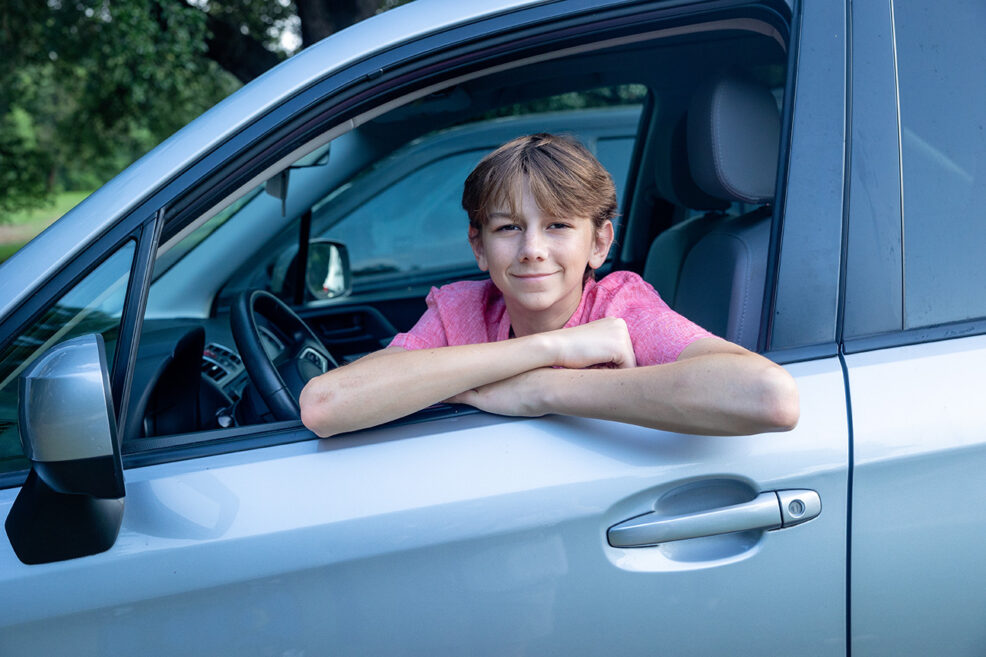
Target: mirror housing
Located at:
point(278, 188)
point(328, 275)
point(72, 502)
point(327, 272)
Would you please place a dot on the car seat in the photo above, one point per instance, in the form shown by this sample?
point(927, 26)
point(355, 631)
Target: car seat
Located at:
point(667, 252)
point(733, 132)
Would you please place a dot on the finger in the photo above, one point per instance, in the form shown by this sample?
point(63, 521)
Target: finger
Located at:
point(629, 360)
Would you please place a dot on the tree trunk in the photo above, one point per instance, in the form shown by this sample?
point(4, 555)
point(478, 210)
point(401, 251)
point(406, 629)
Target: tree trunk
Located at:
point(247, 58)
point(320, 18)
point(238, 53)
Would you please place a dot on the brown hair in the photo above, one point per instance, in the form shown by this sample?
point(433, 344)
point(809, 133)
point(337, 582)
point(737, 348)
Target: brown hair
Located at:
point(564, 177)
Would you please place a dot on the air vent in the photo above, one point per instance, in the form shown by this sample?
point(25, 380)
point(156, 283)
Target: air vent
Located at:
point(213, 371)
point(218, 361)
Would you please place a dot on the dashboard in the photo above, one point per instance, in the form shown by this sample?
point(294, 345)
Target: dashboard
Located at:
point(190, 376)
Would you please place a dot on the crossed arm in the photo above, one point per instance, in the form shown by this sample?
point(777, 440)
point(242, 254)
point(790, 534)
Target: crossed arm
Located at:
point(715, 387)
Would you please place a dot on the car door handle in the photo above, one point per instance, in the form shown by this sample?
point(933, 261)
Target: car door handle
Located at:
point(769, 510)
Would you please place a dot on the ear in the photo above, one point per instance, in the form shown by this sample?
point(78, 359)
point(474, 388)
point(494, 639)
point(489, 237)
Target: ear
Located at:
point(601, 242)
point(478, 250)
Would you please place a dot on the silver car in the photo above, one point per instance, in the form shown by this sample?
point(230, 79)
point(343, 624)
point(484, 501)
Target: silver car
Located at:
point(799, 177)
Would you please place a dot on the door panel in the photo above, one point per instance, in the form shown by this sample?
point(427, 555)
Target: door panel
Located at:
point(918, 518)
point(474, 534)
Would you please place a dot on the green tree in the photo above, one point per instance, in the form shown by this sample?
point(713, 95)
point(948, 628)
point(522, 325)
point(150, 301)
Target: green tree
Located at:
point(87, 86)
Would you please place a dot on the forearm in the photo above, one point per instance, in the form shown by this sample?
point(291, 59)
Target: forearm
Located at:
point(393, 383)
point(720, 394)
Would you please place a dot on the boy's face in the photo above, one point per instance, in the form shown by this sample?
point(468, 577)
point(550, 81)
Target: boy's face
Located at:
point(538, 261)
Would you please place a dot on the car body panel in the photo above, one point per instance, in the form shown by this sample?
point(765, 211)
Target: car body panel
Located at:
point(473, 534)
point(918, 517)
point(874, 275)
point(807, 295)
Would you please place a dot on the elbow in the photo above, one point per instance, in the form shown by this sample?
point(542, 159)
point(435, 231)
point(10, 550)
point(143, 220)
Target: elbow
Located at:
point(781, 405)
point(315, 403)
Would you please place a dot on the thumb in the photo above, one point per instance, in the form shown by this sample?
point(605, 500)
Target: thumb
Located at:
point(464, 397)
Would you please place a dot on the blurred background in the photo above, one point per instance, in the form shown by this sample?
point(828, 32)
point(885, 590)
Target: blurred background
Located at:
point(88, 86)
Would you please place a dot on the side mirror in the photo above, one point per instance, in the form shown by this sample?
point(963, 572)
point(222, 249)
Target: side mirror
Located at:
point(328, 274)
point(72, 502)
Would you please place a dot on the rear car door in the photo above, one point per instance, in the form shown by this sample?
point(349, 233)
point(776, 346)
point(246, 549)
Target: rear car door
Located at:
point(914, 322)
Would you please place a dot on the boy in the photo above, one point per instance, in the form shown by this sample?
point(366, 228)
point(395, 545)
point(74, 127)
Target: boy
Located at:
point(541, 335)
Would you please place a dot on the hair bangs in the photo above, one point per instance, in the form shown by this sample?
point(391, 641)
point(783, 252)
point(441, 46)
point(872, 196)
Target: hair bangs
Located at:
point(565, 179)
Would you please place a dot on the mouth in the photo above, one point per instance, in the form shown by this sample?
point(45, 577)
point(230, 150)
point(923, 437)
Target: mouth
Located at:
point(533, 277)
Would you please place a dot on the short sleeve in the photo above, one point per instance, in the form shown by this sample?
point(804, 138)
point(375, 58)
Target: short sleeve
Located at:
point(428, 333)
point(657, 332)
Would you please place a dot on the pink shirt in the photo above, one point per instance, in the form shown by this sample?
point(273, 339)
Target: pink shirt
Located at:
point(472, 312)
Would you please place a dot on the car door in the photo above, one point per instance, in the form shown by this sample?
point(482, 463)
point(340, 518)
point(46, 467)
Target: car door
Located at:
point(914, 343)
point(473, 533)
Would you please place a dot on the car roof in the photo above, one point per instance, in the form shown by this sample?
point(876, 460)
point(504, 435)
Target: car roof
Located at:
point(58, 244)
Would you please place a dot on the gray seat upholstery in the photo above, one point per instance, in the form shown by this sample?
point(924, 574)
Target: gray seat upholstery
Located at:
point(733, 132)
point(722, 279)
point(667, 252)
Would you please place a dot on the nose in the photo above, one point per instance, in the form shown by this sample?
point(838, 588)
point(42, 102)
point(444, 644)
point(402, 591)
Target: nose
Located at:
point(533, 246)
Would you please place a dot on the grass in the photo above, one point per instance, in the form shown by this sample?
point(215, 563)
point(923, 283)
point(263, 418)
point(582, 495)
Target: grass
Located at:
point(18, 228)
point(64, 202)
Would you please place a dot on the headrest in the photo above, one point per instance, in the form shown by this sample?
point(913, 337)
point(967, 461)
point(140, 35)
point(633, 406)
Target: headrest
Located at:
point(683, 189)
point(733, 136)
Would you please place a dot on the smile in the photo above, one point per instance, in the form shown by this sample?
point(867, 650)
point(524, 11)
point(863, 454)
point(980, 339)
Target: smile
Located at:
point(532, 277)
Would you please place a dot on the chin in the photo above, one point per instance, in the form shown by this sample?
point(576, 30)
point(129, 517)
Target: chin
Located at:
point(532, 306)
point(536, 303)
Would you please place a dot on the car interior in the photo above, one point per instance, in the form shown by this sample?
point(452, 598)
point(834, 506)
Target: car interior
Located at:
point(688, 119)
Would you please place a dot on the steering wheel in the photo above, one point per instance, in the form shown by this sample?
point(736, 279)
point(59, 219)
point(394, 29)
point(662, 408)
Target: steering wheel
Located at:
point(258, 316)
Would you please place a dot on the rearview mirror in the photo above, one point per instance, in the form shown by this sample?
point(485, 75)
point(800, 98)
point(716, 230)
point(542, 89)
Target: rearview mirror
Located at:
point(72, 502)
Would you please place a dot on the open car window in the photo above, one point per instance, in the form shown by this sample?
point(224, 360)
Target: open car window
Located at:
point(388, 190)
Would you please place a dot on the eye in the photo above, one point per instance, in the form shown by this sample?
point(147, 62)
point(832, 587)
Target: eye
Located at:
point(506, 227)
point(559, 224)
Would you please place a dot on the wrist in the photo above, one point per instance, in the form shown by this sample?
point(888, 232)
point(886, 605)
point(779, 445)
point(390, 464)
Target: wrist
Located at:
point(560, 390)
point(544, 347)
point(538, 395)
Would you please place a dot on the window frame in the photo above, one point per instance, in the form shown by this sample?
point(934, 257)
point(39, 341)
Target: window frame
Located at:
point(345, 106)
point(144, 234)
point(814, 120)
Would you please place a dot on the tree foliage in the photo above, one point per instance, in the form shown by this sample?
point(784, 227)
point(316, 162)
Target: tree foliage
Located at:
point(87, 86)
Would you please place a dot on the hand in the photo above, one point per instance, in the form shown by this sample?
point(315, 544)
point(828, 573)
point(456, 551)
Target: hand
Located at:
point(602, 342)
point(518, 396)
